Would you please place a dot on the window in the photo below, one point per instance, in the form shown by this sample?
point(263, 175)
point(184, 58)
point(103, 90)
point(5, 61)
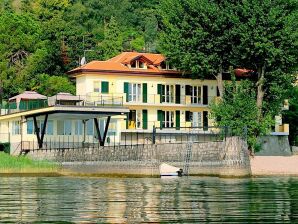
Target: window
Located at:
point(78, 127)
point(90, 127)
point(138, 64)
point(197, 119)
point(168, 93)
point(16, 129)
point(67, 127)
point(134, 92)
point(166, 66)
point(135, 119)
point(169, 119)
point(196, 94)
point(50, 128)
point(31, 129)
point(64, 127)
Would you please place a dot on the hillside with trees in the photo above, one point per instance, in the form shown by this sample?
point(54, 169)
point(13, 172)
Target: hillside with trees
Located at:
point(42, 39)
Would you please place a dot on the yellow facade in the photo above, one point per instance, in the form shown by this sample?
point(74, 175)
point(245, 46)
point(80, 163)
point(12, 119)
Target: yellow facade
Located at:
point(155, 101)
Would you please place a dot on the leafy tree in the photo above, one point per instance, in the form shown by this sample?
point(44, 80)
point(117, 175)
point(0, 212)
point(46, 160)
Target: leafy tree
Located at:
point(51, 85)
point(265, 40)
point(112, 42)
point(22, 52)
point(243, 97)
point(196, 36)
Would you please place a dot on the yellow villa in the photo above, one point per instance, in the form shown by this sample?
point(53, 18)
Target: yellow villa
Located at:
point(154, 91)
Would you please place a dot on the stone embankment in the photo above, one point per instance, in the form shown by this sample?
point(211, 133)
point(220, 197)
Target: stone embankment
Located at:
point(222, 158)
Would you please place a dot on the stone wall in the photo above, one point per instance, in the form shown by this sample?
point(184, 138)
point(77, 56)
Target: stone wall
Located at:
point(227, 157)
point(274, 146)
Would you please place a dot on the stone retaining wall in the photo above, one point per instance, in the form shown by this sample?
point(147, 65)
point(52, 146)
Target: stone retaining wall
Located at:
point(227, 157)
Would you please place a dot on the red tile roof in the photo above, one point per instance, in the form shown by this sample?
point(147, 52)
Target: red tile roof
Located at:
point(120, 62)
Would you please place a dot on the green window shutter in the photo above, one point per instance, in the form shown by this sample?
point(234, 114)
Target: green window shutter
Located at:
point(177, 93)
point(161, 117)
point(145, 119)
point(188, 90)
point(177, 119)
point(159, 88)
point(205, 120)
point(104, 87)
point(160, 91)
point(145, 93)
point(126, 90)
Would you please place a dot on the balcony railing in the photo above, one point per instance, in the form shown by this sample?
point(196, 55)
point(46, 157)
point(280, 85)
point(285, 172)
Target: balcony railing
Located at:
point(73, 101)
point(170, 99)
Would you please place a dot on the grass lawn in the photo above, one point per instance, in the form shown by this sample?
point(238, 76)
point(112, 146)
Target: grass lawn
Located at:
point(22, 164)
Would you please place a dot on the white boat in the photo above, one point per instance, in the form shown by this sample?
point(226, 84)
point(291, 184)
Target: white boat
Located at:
point(168, 170)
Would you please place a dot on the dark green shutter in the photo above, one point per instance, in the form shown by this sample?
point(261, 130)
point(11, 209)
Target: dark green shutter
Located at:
point(177, 119)
point(188, 90)
point(104, 87)
point(187, 116)
point(126, 90)
point(177, 93)
point(205, 95)
point(145, 119)
point(161, 117)
point(144, 92)
point(159, 89)
point(160, 92)
point(205, 120)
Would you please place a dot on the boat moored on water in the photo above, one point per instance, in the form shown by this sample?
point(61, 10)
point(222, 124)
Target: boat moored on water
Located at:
point(168, 170)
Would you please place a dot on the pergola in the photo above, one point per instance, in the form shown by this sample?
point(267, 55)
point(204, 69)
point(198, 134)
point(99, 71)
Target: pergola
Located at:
point(70, 112)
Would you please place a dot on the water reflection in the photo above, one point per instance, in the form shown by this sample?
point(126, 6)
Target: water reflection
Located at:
point(182, 200)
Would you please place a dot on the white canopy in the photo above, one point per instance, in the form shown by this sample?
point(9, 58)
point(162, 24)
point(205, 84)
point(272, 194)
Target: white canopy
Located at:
point(28, 95)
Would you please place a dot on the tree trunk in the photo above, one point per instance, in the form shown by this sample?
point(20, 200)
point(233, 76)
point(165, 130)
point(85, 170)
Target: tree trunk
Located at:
point(220, 82)
point(260, 93)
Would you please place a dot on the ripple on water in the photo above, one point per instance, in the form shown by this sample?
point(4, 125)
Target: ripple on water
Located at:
point(135, 200)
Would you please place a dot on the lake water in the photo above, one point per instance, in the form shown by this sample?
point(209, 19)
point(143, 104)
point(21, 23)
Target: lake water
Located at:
point(146, 200)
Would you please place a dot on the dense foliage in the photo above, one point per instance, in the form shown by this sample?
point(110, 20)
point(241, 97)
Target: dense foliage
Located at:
point(238, 111)
point(208, 36)
point(42, 39)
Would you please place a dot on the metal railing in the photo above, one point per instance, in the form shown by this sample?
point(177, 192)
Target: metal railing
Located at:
point(172, 99)
point(79, 100)
point(129, 139)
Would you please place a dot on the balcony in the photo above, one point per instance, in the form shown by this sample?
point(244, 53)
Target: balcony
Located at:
point(183, 100)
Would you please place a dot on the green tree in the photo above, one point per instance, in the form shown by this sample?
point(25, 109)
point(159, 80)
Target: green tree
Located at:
point(51, 85)
point(22, 52)
point(265, 38)
point(196, 36)
point(112, 42)
point(242, 97)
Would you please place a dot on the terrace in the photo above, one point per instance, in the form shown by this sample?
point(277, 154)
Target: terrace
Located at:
point(30, 100)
